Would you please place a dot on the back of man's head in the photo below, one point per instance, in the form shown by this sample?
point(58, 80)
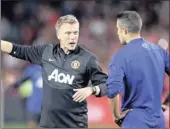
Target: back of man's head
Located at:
point(130, 20)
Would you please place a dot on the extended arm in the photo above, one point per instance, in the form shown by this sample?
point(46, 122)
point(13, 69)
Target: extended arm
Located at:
point(32, 54)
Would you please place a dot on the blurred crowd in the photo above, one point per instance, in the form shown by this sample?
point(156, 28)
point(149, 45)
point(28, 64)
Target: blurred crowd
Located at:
point(29, 22)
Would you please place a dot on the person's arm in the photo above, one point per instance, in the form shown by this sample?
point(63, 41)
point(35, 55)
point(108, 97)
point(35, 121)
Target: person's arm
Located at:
point(32, 54)
point(118, 115)
point(164, 46)
point(115, 106)
point(167, 100)
point(167, 60)
point(115, 81)
point(167, 70)
point(97, 77)
point(6, 46)
point(98, 80)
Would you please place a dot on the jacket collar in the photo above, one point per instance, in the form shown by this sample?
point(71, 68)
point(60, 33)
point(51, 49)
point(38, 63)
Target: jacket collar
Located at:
point(57, 48)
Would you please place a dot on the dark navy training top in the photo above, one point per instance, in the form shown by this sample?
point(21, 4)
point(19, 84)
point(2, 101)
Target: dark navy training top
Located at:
point(137, 70)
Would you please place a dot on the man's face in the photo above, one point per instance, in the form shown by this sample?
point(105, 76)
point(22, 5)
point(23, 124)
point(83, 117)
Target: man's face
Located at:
point(121, 32)
point(68, 35)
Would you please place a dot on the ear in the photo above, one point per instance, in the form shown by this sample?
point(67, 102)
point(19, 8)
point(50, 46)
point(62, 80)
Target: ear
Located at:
point(58, 35)
point(125, 31)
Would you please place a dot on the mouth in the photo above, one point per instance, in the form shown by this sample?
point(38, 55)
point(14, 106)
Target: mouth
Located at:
point(72, 43)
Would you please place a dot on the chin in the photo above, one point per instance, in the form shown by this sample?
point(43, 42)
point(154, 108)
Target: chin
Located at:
point(123, 42)
point(72, 48)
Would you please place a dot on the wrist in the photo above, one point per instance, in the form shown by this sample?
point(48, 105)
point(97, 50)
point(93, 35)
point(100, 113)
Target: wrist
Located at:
point(93, 90)
point(117, 117)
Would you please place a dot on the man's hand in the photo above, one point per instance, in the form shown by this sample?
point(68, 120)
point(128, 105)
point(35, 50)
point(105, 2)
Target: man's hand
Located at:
point(118, 115)
point(82, 94)
point(123, 114)
point(164, 107)
point(6, 46)
point(120, 118)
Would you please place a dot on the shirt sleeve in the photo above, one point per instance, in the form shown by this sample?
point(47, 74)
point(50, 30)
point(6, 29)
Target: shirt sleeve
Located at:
point(115, 81)
point(167, 60)
point(32, 54)
point(97, 77)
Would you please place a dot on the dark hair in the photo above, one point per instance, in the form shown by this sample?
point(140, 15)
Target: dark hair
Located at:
point(130, 20)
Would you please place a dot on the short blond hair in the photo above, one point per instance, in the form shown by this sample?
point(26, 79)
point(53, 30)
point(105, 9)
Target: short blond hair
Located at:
point(71, 19)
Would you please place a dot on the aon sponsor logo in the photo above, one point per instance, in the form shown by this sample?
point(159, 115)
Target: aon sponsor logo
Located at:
point(61, 77)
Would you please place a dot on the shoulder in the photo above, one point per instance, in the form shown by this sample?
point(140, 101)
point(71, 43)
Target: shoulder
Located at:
point(118, 59)
point(87, 53)
point(50, 47)
point(119, 54)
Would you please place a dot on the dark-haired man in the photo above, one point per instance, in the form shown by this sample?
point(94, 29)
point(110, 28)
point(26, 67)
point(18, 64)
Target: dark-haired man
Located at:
point(137, 70)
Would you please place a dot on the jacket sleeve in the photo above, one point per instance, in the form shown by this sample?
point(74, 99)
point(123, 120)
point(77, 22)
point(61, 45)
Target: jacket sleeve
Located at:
point(115, 81)
point(32, 54)
point(97, 77)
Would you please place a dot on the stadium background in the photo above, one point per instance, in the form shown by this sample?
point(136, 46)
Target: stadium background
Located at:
point(30, 22)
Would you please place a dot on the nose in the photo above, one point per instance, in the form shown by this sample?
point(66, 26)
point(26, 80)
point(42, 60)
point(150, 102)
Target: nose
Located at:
point(72, 35)
point(72, 38)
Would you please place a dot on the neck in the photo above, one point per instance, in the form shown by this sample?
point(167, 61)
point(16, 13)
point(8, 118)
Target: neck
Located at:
point(66, 51)
point(132, 37)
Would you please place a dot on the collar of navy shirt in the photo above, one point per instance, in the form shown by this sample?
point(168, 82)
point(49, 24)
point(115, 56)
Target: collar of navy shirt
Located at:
point(134, 40)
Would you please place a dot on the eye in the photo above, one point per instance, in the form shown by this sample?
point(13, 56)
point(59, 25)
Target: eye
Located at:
point(76, 33)
point(68, 33)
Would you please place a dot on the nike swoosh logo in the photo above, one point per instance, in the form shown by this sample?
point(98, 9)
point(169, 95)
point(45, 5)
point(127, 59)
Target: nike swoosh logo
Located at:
point(51, 59)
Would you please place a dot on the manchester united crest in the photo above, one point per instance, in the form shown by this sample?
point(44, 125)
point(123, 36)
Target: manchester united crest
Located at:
point(75, 64)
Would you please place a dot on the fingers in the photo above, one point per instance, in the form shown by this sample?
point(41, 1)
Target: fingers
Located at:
point(124, 113)
point(76, 89)
point(118, 122)
point(76, 94)
point(82, 94)
point(164, 107)
point(79, 96)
